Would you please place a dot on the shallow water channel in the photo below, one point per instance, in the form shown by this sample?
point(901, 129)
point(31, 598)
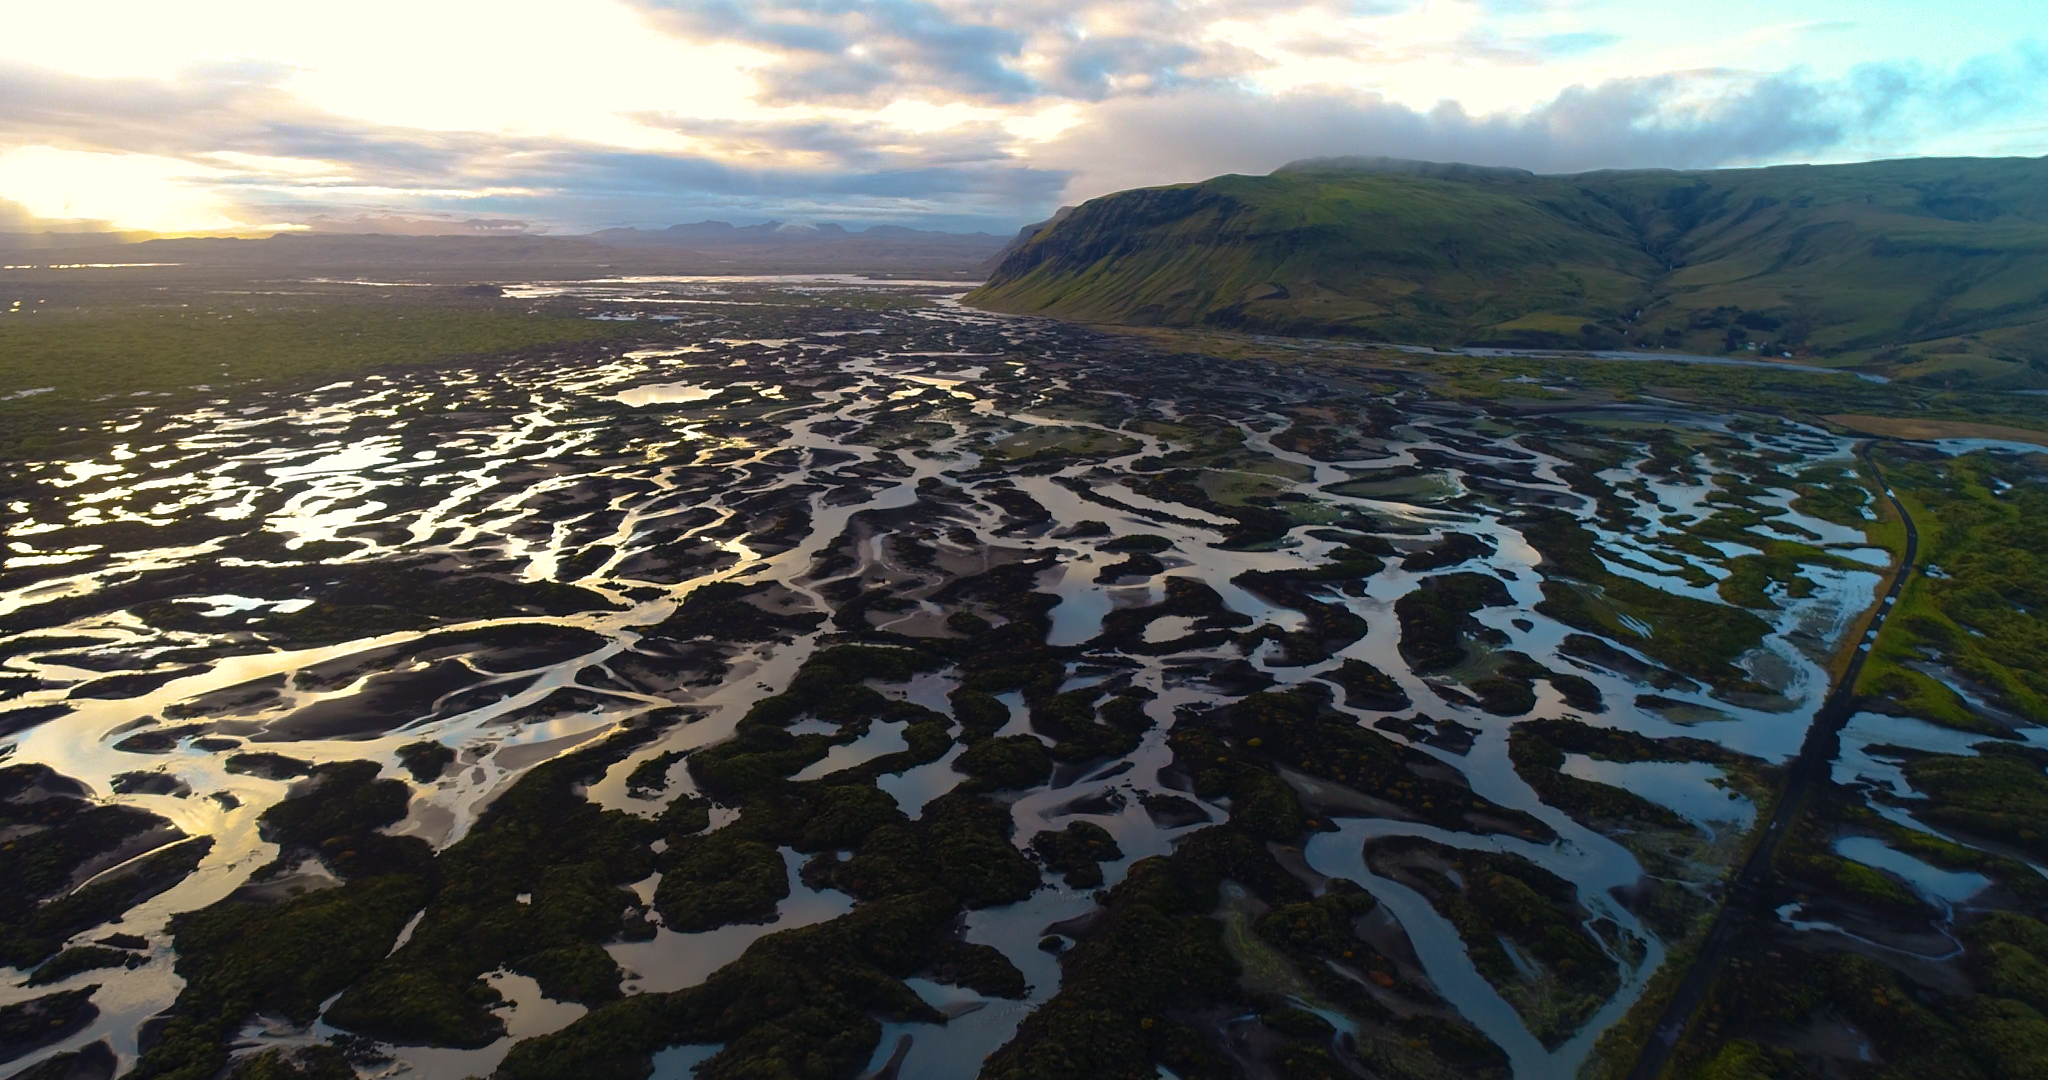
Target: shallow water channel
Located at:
point(479, 558)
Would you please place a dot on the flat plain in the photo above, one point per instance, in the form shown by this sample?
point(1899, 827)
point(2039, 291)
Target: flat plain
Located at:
point(818, 677)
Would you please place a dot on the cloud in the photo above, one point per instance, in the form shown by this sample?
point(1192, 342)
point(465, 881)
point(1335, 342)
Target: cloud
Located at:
point(842, 143)
point(1980, 89)
point(1156, 95)
point(195, 115)
point(25, 227)
point(15, 218)
point(237, 132)
point(405, 225)
point(1686, 120)
point(1574, 44)
point(860, 50)
point(867, 52)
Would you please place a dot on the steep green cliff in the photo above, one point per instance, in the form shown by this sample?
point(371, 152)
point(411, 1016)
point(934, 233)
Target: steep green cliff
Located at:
point(1935, 268)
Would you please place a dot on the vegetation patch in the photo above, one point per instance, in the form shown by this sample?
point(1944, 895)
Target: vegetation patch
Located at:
point(1693, 636)
point(1077, 852)
point(1970, 616)
point(250, 954)
point(1557, 974)
point(1236, 752)
point(55, 833)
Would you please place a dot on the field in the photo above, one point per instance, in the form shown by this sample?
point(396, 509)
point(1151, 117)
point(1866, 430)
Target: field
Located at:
point(87, 343)
point(1906, 427)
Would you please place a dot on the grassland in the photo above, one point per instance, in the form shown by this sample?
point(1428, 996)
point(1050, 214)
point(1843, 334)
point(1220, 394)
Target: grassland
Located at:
point(1309, 254)
point(1059, 443)
point(1522, 384)
point(1963, 647)
point(1929, 270)
point(1969, 618)
point(66, 361)
point(1900, 427)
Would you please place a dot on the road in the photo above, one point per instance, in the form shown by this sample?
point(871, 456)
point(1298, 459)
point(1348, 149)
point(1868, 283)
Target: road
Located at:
point(1815, 762)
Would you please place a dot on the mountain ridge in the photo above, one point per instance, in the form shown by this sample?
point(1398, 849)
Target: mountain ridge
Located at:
point(716, 233)
point(1936, 269)
point(702, 247)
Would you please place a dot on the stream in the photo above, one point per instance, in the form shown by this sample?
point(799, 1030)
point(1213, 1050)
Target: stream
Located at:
point(478, 556)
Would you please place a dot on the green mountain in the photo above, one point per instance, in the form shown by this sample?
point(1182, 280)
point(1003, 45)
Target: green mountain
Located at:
point(1931, 269)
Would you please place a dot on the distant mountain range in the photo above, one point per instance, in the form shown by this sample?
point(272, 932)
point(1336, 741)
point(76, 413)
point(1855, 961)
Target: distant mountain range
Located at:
point(1934, 270)
point(11, 242)
point(703, 247)
point(723, 233)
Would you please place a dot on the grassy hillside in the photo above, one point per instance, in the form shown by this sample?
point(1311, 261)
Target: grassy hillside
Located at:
point(1932, 270)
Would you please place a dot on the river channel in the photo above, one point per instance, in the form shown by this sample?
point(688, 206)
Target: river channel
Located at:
point(481, 556)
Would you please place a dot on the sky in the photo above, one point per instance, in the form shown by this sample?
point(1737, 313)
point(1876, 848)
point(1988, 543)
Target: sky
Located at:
point(480, 116)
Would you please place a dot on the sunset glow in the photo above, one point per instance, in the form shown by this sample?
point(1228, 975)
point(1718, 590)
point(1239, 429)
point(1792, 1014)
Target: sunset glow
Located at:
point(228, 115)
